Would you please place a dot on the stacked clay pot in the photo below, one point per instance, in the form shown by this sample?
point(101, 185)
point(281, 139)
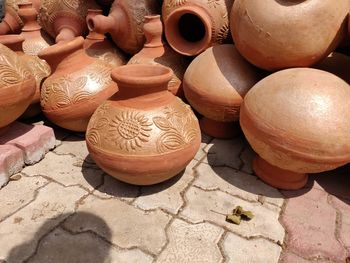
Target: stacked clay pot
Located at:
point(77, 86)
point(297, 120)
point(144, 134)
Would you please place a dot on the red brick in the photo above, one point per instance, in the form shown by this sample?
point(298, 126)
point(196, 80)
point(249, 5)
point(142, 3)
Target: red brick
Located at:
point(11, 162)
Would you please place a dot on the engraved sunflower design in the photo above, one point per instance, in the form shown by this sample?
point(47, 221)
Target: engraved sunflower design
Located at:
point(129, 129)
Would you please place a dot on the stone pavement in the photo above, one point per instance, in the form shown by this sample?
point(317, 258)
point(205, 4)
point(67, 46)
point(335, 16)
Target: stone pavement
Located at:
point(65, 209)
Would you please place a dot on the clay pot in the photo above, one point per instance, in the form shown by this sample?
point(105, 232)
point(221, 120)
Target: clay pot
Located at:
point(144, 134)
point(338, 64)
point(125, 23)
point(194, 25)
point(297, 120)
point(98, 46)
point(17, 87)
point(215, 84)
point(77, 86)
point(156, 51)
point(11, 23)
point(299, 34)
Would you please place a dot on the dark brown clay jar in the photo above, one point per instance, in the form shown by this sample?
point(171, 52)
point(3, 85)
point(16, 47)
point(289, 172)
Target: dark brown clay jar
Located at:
point(77, 86)
point(144, 134)
point(156, 51)
point(194, 25)
point(297, 120)
point(338, 64)
point(298, 34)
point(125, 23)
point(98, 46)
point(215, 84)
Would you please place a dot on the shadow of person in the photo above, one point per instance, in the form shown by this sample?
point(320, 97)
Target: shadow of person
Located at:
point(57, 244)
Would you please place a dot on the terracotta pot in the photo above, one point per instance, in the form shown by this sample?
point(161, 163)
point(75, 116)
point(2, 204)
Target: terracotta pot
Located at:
point(297, 120)
point(156, 51)
point(215, 84)
point(144, 134)
point(338, 64)
point(194, 25)
point(11, 23)
point(15, 3)
point(98, 46)
point(125, 23)
point(300, 34)
point(77, 86)
point(17, 87)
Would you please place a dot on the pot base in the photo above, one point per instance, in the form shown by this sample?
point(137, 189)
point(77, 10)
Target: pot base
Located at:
point(220, 130)
point(277, 177)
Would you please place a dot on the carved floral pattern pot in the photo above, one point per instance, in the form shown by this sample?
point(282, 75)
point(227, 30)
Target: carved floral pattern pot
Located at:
point(144, 134)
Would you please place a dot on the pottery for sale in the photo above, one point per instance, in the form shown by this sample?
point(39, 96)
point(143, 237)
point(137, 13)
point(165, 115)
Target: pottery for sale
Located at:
point(144, 134)
point(215, 84)
point(77, 86)
point(297, 120)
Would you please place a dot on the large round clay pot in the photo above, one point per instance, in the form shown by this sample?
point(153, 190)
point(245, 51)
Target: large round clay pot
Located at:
point(194, 25)
point(156, 51)
point(297, 120)
point(338, 64)
point(144, 134)
point(77, 86)
point(17, 87)
point(125, 23)
point(215, 84)
point(98, 46)
point(282, 34)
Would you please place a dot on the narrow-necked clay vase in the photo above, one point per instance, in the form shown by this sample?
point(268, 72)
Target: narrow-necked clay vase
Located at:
point(297, 120)
point(17, 87)
point(156, 51)
point(338, 64)
point(125, 23)
point(38, 68)
point(11, 23)
point(192, 26)
point(144, 134)
point(98, 46)
point(298, 34)
point(77, 86)
point(215, 84)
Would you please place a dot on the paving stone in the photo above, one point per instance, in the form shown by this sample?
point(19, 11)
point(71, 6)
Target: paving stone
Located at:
point(234, 182)
point(60, 246)
point(18, 194)
point(247, 157)
point(292, 258)
point(129, 226)
point(192, 243)
point(240, 250)
point(20, 233)
point(34, 140)
point(65, 170)
point(212, 206)
point(11, 162)
point(201, 152)
point(76, 146)
point(344, 207)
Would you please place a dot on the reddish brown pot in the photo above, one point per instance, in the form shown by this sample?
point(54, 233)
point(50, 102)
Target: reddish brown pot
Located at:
point(215, 84)
point(338, 64)
point(297, 120)
point(11, 23)
point(298, 34)
point(194, 25)
point(98, 46)
point(144, 134)
point(156, 51)
point(77, 86)
point(125, 23)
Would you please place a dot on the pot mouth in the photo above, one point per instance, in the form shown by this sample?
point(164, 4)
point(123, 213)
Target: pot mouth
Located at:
point(188, 30)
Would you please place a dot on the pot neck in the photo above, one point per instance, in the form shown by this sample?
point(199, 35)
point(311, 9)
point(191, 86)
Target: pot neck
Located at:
point(29, 15)
point(153, 30)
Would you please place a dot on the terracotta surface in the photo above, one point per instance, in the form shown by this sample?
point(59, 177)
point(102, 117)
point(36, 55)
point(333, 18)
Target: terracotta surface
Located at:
point(11, 23)
point(156, 51)
point(194, 25)
point(338, 64)
point(285, 40)
point(125, 23)
point(215, 84)
point(297, 120)
point(98, 46)
point(144, 134)
point(77, 86)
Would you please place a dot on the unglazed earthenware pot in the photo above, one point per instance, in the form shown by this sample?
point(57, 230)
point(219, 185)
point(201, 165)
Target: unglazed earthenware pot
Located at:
point(77, 86)
point(297, 120)
point(282, 34)
point(338, 64)
point(215, 84)
point(156, 51)
point(11, 23)
point(191, 26)
point(125, 23)
point(144, 134)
